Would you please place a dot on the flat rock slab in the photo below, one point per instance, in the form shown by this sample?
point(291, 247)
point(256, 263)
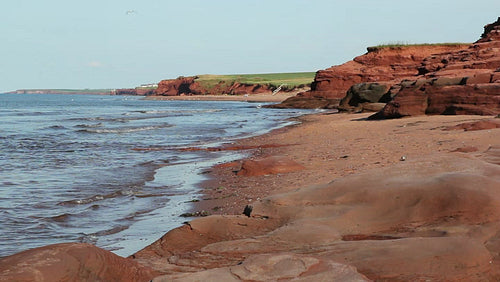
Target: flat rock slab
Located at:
point(275, 267)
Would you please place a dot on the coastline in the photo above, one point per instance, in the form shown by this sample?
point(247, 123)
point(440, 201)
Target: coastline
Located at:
point(332, 148)
point(226, 193)
point(278, 97)
point(366, 195)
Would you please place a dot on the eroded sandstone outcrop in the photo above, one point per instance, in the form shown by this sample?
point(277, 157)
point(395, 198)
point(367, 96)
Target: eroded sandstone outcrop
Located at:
point(443, 210)
point(387, 65)
point(274, 267)
point(461, 82)
point(444, 95)
point(71, 262)
point(139, 91)
point(422, 79)
point(190, 86)
point(378, 65)
point(365, 96)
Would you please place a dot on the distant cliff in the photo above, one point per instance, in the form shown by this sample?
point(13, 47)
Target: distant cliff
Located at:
point(234, 84)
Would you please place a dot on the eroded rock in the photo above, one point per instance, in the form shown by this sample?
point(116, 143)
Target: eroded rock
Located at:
point(71, 262)
point(275, 267)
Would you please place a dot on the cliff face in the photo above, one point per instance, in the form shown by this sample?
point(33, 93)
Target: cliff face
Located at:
point(135, 91)
point(422, 79)
point(483, 56)
point(387, 64)
point(461, 82)
point(189, 86)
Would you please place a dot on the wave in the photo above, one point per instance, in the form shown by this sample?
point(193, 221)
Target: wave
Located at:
point(89, 125)
point(178, 111)
point(61, 218)
point(124, 129)
point(57, 126)
point(116, 194)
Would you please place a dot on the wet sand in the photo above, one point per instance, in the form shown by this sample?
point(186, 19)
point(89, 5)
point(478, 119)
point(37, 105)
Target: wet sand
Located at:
point(412, 199)
point(331, 146)
point(398, 200)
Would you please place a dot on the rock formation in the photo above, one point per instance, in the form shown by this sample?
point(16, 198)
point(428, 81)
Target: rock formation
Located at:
point(425, 79)
point(380, 64)
point(189, 86)
point(274, 267)
point(387, 65)
point(71, 262)
point(442, 210)
point(139, 91)
point(365, 96)
point(461, 82)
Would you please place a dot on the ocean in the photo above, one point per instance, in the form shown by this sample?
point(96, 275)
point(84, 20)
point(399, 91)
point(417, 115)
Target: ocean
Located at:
point(107, 170)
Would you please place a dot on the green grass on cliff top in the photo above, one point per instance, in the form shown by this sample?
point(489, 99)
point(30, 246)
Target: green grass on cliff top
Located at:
point(406, 44)
point(293, 79)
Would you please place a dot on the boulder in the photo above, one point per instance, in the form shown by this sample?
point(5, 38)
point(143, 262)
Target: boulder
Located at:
point(362, 93)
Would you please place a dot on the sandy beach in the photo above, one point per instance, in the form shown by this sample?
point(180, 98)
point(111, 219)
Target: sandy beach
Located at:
point(335, 195)
point(261, 97)
point(392, 200)
point(330, 146)
point(391, 174)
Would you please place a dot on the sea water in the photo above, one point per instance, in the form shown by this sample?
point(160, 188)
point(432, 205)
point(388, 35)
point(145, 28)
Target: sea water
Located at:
point(108, 170)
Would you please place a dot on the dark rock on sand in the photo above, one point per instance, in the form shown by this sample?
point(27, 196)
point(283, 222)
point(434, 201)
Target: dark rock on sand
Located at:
point(360, 96)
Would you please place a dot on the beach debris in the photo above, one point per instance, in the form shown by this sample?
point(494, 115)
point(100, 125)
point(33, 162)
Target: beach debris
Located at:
point(278, 89)
point(403, 158)
point(248, 210)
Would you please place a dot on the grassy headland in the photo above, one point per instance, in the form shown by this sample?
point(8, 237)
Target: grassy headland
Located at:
point(406, 44)
point(290, 80)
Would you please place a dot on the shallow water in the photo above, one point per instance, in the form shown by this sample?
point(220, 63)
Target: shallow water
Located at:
point(107, 169)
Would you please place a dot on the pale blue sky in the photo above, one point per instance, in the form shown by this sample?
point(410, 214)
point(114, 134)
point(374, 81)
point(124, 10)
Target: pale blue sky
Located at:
point(98, 44)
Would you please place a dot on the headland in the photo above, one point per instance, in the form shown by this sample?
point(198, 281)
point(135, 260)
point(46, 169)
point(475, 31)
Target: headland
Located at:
point(411, 193)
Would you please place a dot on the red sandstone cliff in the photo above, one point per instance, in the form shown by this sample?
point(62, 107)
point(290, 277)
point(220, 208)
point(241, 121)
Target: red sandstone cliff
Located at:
point(135, 91)
point(379, 64)
point(422, 79)
point(384, 65)
point(189, 86)
point(460, 82)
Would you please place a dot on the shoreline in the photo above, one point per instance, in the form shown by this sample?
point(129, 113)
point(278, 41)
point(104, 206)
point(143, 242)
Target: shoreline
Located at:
point(400, 200)
point(236, 192)
point(279, 97)
point(333, 148)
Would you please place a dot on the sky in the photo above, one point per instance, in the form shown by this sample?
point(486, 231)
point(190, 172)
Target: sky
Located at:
point(69, 44)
